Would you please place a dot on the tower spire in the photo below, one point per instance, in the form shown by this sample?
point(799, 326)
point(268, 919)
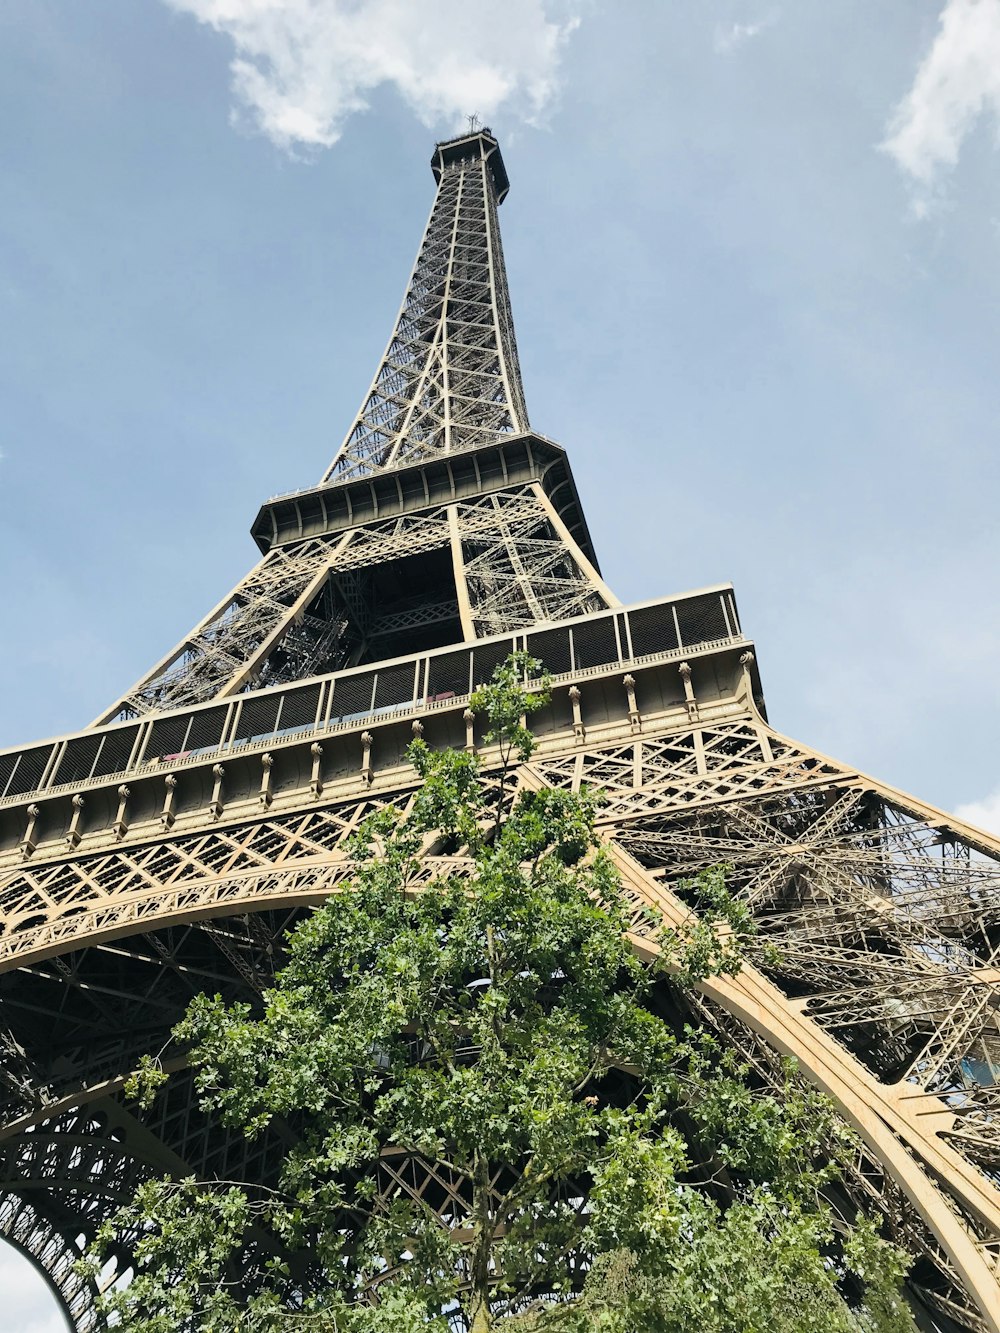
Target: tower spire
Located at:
point(449, 379)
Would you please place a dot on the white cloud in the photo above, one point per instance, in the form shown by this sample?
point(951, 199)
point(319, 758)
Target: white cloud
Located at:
point(984, 814)
point(957, 83)
point(728, 36)
point(302, 67)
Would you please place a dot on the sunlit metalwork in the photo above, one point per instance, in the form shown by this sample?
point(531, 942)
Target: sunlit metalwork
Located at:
point(168, 847)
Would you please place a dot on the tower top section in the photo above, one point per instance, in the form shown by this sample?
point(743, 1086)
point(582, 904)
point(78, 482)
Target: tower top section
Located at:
point(449, 380)
point(479, 145)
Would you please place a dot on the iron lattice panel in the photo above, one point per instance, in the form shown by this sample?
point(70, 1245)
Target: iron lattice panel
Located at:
point(449, 379)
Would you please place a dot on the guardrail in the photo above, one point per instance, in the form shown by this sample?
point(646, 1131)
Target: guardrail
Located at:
point(422, 682)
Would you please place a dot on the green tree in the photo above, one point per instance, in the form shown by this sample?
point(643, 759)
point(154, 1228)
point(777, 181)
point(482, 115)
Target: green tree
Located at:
point(604, 1169)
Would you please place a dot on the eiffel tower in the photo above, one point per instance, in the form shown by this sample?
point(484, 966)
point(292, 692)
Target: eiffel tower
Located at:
point(167, 848)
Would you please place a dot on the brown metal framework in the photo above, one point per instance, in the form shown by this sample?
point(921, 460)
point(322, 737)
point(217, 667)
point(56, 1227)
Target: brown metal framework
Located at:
point(168, 847)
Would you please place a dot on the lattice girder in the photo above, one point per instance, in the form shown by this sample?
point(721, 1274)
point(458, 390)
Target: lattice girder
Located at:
point(883, 926)
point(886, 935)
point(449, 379)
point(449, 385)
point(144, 862)
point(54, 1255)
point(963, 1214)
point(515, 564)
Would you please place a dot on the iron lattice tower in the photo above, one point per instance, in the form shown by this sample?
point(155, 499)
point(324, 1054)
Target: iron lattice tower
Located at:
point(166, 848)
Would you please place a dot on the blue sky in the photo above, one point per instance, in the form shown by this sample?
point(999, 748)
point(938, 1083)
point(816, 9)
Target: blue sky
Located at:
point(753, 251)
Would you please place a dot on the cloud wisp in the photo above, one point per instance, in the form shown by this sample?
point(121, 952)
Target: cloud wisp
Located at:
point(728, 37)
point(301, 68)
point(957, 83)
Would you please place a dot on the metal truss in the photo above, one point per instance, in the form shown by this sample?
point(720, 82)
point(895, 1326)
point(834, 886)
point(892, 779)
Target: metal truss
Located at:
point(880, 979)
point(219, 655)
point(448, 385)
point(145, 863)
point(514, 563)
point(517, 570)
point(449, 379)
point(884, 915)
point(40, 1240)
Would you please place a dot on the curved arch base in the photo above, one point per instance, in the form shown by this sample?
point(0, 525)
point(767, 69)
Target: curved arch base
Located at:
point(53, 1257)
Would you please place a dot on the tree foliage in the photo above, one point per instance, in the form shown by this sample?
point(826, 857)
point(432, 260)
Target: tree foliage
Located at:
point(606, 1168)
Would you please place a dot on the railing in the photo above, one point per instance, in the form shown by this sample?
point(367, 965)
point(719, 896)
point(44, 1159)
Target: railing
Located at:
point(426, 681)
